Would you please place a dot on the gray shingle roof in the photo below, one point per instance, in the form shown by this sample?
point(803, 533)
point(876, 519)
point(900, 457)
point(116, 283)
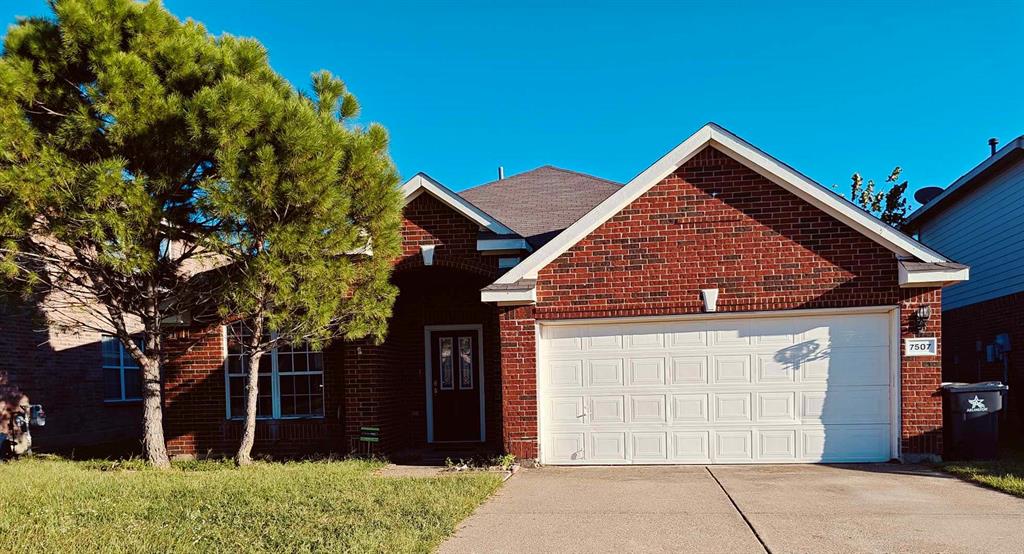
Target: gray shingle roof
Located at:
point(540, 203)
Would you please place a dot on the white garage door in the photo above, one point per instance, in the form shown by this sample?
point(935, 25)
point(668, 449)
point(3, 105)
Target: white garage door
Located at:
point(813, 388)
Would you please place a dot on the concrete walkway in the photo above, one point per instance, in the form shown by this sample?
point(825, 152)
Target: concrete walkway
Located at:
point(736, 509)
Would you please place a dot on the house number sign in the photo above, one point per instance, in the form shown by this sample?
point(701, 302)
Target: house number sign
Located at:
point(920, 346)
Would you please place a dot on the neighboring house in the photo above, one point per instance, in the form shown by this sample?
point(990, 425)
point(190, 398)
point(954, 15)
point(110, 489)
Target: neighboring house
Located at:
point(87, 384)
point(719, 307)
point(979, 220)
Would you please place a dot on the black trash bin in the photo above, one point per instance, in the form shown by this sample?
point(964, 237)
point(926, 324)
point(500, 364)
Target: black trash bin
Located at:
point(971, 419)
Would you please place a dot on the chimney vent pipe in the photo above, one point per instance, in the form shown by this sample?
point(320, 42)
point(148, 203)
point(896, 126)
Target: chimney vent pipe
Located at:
point(993, 142)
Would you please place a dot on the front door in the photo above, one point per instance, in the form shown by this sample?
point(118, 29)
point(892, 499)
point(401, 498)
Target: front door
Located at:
point(455, 385)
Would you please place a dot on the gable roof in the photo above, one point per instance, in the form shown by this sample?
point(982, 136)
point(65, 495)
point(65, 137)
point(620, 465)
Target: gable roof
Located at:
point(423, 183)
point(540, 203)
point(1006, 154)
point(748, 155)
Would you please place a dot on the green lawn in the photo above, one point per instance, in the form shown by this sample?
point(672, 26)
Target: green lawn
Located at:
point(1005, 474)
point(339, 506)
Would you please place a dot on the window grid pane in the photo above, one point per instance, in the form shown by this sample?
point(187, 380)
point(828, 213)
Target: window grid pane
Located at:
point(465, 363)
point(122, 377)
point(446, 369)
point(296, 370)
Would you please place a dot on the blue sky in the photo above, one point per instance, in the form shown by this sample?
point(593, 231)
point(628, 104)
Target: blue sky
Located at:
point(607, 88)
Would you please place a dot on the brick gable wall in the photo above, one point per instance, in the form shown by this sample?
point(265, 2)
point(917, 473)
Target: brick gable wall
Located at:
point(716, 224)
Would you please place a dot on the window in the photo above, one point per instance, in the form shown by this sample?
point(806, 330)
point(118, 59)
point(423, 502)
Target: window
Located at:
point(291, 379)
point(122, 378)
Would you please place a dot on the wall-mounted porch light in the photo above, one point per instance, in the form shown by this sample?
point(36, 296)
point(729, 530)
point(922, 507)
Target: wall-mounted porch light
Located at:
point(710, 299)
point(428, 253)
point(921, 317)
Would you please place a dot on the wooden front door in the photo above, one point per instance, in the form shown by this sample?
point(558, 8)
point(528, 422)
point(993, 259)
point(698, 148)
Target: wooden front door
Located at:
point(455, 385)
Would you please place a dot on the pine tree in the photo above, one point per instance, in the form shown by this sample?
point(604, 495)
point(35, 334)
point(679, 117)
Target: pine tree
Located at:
point(311, 215)
point(116, 121)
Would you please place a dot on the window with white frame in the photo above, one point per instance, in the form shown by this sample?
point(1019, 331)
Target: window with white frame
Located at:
point(122, 378)
point(291, 381)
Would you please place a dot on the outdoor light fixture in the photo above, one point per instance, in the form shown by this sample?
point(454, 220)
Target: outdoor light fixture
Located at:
point(710, 299)
point(921, 317)
point(428, 253)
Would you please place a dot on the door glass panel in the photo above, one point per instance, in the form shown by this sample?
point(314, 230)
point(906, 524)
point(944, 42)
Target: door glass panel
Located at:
point(465, 363)
point(447, 365)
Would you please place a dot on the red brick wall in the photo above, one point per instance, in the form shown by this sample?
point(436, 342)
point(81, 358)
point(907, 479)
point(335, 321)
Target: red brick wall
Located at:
point(429, 221)
point(921, 377)
point(519, 380)
point(962, 328)
point(715, 224)
point(195, 420)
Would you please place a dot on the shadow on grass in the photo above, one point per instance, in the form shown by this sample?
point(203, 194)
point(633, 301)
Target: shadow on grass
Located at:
point(1004, 474)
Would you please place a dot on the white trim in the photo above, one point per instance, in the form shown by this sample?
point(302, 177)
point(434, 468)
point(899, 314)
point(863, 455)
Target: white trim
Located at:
point(932, 278)
point(770, 168)
point(1017, 143)
point(422, 182)
point(509, 297)
point(537, 352)
point(895, 385)
point(502, 244)
point(721, 315)
point(428, 364)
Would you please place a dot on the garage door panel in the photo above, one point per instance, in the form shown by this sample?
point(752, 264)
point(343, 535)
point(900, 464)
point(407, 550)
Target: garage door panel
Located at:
point(605, 372)
point(776, 407)
point(690, 446)
point(734, 446)
point(608, 446)
point(846, 443)
point(846, 405)
point(773, 368)
point(690, 408)
point(649, 446)
point(566, 447)
point(608, 409)
point(847, 366)
point(689, 370)
point(731, 369)
point(566, 410)
point(732, 407)
point(777, 444)
point(756, 390)
point(565, 373)
point(647, 408)
point(646, 371)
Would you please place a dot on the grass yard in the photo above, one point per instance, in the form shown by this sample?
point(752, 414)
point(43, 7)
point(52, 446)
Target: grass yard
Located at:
point(1005, 474)
point(338, 506)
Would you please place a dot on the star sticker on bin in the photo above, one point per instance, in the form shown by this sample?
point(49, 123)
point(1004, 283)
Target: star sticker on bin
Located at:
point(977, 403)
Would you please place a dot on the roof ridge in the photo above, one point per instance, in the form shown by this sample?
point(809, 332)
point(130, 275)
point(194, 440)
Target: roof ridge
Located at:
point(580, 173)
point(545, 166)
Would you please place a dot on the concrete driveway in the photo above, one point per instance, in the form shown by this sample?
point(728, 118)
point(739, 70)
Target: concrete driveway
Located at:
point(735, 509)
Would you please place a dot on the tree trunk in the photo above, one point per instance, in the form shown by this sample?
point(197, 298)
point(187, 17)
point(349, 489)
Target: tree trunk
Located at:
point(152, 414)
point(252, 389)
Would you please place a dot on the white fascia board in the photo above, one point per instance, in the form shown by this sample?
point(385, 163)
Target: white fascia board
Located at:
point(485, 245)
point(421, 182)
point(509, 297)
point(932, 278)
point(777, 172)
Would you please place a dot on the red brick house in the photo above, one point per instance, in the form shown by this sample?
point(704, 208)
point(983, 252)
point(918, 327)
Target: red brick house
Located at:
point(979, 220)
point(719, 307)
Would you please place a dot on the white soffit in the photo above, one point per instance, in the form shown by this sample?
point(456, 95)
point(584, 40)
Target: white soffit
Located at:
point(751, 157)
point(421, 182)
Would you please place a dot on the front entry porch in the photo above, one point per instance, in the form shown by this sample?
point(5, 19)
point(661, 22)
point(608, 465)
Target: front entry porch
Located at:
point(433, 387)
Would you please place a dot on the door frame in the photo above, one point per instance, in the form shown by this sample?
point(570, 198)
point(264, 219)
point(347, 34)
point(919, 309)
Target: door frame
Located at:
point(895, 355)
point(428, 361)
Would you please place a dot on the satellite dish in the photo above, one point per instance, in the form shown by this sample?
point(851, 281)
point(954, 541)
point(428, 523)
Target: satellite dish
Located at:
point(927, 194)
